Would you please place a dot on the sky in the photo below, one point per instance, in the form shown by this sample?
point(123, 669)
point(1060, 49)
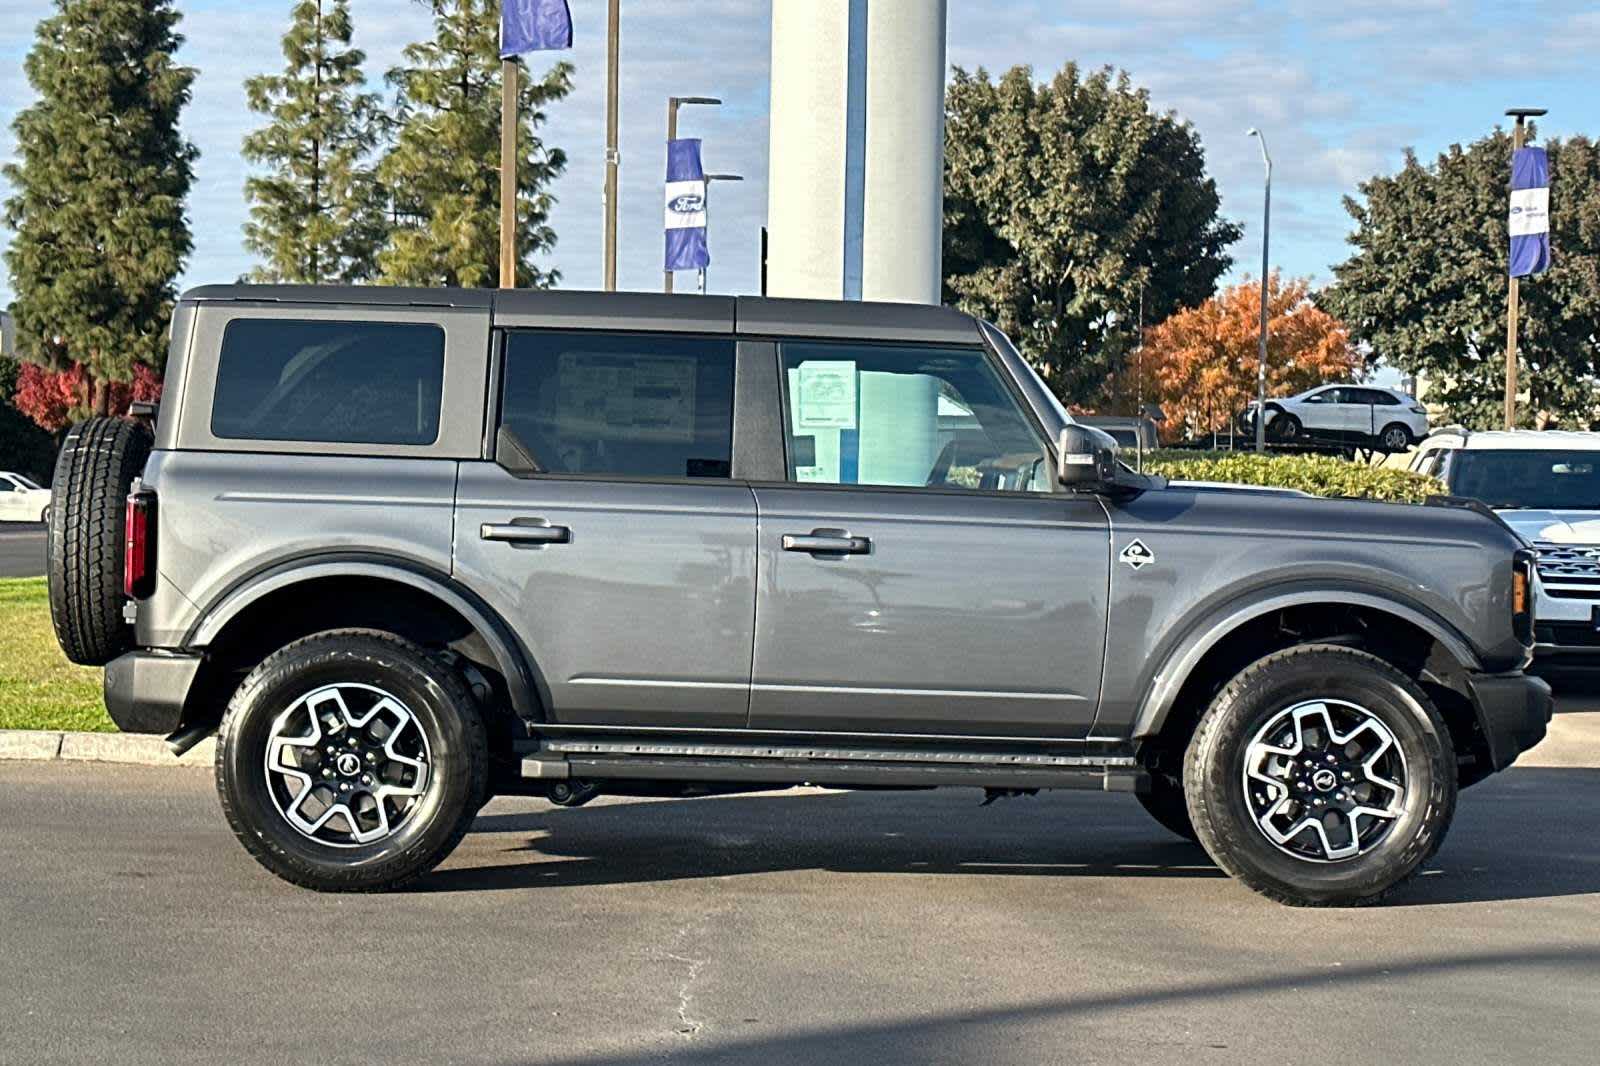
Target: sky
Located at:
point(1341, 89)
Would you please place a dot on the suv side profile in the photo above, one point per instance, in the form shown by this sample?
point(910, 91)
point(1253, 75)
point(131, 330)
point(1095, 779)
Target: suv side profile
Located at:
point(404, 550)
point(1362, 416)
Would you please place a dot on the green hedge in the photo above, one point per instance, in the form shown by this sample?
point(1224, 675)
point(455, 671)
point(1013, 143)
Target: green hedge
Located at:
point(1320, 475)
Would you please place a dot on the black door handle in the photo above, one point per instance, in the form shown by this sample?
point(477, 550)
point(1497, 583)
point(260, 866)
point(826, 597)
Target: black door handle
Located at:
point(826, 544)
point(515, 533)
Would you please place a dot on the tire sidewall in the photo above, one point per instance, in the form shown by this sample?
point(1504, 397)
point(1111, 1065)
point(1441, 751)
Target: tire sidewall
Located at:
point(457, 759)
point(1405, 435)
point(1221, 813)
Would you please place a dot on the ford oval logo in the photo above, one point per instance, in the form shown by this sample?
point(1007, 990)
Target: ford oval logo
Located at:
point(687, 204)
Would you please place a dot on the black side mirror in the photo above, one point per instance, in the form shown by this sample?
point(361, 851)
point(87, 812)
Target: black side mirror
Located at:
point(1084, 459)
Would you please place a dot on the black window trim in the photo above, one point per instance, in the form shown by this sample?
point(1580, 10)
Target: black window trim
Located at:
point(495, 409)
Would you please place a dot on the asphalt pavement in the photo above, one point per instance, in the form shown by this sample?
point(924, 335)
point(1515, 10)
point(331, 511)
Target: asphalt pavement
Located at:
point(809, 927)
point(22, 546)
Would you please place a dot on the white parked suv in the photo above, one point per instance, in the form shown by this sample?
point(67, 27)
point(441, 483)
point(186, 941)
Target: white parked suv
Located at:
point(1546, 486)
point(22, 499)
point(1361, 416)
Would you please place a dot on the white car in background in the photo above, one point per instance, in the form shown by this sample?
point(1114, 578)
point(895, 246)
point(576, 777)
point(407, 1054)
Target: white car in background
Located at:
point(22, 499)
point(1360, 416)
point(1546, 486)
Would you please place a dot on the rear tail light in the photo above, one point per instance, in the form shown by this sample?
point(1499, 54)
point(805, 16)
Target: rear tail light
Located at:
point(1522, 595)
point(139, 549)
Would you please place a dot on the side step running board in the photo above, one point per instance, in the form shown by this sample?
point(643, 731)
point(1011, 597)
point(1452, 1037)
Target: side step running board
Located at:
point(786, 766)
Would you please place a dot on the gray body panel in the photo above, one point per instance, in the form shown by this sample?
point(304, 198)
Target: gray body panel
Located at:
point(644, 617)
point(1223, 557)
point(976, 613)
point(226, 518)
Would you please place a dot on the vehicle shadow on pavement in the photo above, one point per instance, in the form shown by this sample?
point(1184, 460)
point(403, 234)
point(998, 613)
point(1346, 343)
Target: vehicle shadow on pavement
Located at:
point(976, 1035)
point(1522, 835)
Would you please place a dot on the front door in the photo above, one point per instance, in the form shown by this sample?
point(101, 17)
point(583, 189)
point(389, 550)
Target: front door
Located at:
point(617, 543)
point(918, 574)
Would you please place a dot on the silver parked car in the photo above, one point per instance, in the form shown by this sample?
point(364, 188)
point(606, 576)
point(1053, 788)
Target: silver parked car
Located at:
point(406, 549)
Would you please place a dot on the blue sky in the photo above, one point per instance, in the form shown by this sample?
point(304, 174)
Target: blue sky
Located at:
point(1340, 89)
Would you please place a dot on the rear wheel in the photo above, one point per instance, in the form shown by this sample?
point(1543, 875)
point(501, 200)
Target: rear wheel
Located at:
point(351, 761)
point(1321, 776)
point(97, 464)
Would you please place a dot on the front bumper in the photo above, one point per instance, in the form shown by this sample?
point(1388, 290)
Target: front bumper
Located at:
point(145, 690)
point(1513, 711)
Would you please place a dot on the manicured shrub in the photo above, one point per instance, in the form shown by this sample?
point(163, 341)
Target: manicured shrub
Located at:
point(1320, 475)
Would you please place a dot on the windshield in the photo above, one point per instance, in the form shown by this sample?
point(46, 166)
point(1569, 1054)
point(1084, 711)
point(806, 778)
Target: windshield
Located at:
point(1546, 480)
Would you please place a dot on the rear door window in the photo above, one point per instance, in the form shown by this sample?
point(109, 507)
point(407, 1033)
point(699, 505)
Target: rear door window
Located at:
point(621, 405)
point(329, 381)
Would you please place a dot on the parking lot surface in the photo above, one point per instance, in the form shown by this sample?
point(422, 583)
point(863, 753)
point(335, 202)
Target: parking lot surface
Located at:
point(22, 547)
point(810, 927)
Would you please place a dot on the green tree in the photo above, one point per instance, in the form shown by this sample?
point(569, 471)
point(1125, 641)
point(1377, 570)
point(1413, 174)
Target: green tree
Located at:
point(1066, 205)
point(1425, 288)
point(318, 213)
point(444, 166)
point(97, 210)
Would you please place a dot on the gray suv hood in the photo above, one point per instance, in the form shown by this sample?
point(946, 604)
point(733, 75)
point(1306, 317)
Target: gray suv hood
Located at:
point(1558, 527)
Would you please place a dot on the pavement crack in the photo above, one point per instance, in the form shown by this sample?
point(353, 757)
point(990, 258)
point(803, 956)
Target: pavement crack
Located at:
point(688, 1025)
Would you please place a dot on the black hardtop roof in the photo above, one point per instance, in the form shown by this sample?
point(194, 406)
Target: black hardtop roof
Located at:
point(569, 309)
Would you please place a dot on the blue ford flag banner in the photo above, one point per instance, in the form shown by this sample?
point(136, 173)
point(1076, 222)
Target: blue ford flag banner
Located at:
point(534, 26)
point(1530, 212)
point(686, 207)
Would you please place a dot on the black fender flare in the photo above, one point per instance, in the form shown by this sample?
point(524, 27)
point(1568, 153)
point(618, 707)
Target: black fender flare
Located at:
point(1162, 690)
point(510, 658)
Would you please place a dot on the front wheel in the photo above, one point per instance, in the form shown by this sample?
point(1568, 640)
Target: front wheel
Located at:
point(351, 761)
point(1321, 776)
point(1395, 438)
point(1285, 427)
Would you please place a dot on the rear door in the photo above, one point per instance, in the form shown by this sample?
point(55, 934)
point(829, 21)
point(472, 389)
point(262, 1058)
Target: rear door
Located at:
point(918, 575)
point(611, 534)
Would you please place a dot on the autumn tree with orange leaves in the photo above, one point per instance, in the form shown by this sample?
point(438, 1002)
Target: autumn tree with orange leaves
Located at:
point(1200, 364)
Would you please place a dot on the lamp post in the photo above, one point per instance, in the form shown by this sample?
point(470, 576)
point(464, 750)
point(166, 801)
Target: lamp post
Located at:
point(673, 103)
point(1513, 288)
point(710, 178)
point(1261, 356)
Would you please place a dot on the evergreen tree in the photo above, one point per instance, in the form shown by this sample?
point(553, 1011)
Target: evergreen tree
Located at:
point(444, 167)
point(317, 215)
point(1069, 204)
point(97, 210)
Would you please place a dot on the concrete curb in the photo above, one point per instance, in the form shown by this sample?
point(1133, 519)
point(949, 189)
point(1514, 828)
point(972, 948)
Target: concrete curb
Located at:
point(142, 749)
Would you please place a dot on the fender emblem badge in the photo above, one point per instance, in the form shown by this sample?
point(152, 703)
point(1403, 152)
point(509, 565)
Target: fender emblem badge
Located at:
point(1137, 555)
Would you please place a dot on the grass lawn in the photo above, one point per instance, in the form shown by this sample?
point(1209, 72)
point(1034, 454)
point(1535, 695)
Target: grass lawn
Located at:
point(39, 689)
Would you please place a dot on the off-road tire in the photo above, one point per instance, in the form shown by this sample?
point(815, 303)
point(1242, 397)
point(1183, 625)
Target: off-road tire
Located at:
point(85, 532)
point(443, 705)
point(1168, 805)
point(1214, 763)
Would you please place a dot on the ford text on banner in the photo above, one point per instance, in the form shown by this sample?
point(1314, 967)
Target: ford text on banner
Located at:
point(1530, 212)
point(686, 207)
point(534, 26)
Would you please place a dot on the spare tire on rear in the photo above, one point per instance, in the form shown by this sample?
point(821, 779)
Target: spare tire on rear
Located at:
point(94, 471)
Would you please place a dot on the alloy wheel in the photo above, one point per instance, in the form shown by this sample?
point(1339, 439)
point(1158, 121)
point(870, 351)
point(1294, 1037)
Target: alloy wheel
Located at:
point(1325, 780)
point(1396, 439)
point(347, 764)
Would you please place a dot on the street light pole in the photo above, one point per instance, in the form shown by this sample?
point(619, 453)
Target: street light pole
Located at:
point(1513, 288)
point(1261, 356)
point(710, 178)
point(673, 103)
point(613, 156)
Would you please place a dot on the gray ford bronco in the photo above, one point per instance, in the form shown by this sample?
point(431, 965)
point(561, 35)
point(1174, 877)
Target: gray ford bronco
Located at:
point(405, 550)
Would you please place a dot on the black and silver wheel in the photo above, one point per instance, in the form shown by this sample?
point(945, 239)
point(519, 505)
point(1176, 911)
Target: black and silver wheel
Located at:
point(1395, 438)
point(352, 760)
point(1285, 427)
point(1321, 776)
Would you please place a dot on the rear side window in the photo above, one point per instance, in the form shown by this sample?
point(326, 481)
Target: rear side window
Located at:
point(621, 405)
point(336, 382)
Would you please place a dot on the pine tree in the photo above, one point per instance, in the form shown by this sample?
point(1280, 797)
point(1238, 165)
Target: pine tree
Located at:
point(98, 205)
point(317, 215)
point(444, 167)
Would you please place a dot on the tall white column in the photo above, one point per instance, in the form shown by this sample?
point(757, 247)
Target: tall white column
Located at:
point(855, 184)
point(902, 251)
